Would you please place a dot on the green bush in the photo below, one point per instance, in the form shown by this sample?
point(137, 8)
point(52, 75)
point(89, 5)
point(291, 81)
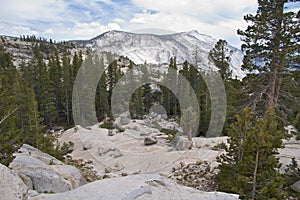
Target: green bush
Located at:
point(46, 145)
point(219, 146)
point(121, 129)
point(107, 125)
point(171, 133)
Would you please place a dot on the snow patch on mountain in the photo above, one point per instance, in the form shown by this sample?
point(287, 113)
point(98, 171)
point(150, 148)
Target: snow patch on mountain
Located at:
point(158, 49)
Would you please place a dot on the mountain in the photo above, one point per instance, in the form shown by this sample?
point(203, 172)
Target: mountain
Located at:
point(158, 49)
point(140, 48)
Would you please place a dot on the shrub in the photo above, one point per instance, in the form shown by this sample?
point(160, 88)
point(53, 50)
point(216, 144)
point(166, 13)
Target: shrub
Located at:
point(107, 125)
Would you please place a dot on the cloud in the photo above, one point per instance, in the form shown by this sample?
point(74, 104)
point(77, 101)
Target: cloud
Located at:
point(49, 31)
point(81, 30)
point(15, 30)
point(217, 18)
point(118, 20)
point(83, 19)
point(17, 11)
point(138, 19)
point(89, 30)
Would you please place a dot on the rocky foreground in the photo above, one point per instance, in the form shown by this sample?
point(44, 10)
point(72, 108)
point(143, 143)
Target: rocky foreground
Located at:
point(36, 175)
point(136, 160)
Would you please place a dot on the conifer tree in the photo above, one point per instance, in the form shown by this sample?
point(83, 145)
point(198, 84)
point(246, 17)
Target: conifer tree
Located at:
point(56, 77)
point(238, 131)
point(102, 107)
point(271, 42)
point(291, 176)
point(9, 132)
point(168, 98)
point(10, 137)
point(137, 104)
point(113, 75)
point(220, 56)
point(147, 91)
point(29, 120)
point(250, 168)
point(67, 87)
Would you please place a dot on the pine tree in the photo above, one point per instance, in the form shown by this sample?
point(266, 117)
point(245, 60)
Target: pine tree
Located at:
point(56, 79)
point(102, 107)
point(297, 121)
point(259, 170)
point(9, 132)
point(238, 131)
point(250, 167)
point(271, 42)
point(291, 176)
point(169, 99)
point(220, 56)
point(203, 97)
point(29, 120)
point(137, 104)
point(113, 75)
point(37, 76)
point(147, 91)
point(10, 137)
point(67, 88)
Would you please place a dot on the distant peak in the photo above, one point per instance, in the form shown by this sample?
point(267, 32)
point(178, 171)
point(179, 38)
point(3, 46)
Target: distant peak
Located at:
point(193, 32)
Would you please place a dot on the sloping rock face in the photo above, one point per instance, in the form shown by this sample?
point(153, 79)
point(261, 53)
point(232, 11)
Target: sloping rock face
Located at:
point(181, 143)
point(44, 173)
point(296, 186)
point(139, 187)
point(71, 174)
point(11, 185)
point(33, 152)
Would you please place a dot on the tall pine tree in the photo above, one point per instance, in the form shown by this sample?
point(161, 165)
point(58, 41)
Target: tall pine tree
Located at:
point(271, 41)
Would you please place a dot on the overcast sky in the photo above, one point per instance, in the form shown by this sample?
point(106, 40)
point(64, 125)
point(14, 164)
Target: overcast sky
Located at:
point(83, 19)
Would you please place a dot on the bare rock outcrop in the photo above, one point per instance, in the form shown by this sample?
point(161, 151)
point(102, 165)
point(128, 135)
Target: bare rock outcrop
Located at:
point(44, 173)
point(138, 187)
point(11, 185)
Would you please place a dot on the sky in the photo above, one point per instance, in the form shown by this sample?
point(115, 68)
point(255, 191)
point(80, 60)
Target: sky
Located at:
point(85, 19)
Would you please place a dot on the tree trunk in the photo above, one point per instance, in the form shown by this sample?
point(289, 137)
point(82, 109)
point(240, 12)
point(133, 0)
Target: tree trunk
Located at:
point(279, 81)
point(67, 105)
point(255, 174)
point(276, 64)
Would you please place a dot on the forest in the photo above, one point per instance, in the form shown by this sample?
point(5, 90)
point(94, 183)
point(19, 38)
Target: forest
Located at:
point(36, 97)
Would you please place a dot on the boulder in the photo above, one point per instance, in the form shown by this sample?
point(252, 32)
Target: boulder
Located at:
point(44, 173)
point(11, 185)
point(26, 180)
point(169, 127)
point(150, 140)
point(116, 153)
point(124, 120)
point(70, 173)
point(116, 124)
point(296, 186)
point(181, 143)
point(87, 145)
point(138, 187)
point(43, 177)
point(45, 158)
point(106, 149)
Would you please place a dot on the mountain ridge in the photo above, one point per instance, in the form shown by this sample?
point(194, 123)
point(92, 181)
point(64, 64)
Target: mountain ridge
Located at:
point(158, 49)
point(141, 47)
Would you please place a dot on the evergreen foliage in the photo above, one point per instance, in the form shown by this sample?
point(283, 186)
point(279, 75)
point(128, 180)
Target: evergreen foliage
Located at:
point(271, 41)
point(220, 56)
point(250, 167)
